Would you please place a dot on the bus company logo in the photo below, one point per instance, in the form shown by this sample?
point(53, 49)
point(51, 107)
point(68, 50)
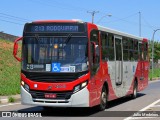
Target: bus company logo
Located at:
point(60, 86)
point(56, 86)
point(49, 88)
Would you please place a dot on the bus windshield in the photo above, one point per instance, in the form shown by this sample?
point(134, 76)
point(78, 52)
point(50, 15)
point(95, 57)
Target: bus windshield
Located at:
point(55, 54)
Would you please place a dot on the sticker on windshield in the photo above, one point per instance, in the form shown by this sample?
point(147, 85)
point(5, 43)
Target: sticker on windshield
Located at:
point(56, 67)
point(35, 66)
point(65, 69)
point(48, 67)
point(29, 66)
point(72, 68)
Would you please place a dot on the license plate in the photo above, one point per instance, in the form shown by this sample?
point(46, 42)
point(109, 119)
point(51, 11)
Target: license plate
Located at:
point(50, 95)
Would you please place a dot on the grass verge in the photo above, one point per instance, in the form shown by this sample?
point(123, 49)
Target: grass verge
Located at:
point(9, 70)
point(11, 99)
point(156, 73)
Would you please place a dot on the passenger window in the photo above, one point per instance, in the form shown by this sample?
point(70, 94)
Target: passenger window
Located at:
point(110, 48)
point(141, 57)
point(104, 40)
point(125, 49)
point(145, 51)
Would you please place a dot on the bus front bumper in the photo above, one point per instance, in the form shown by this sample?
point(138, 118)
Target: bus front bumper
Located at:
point(78, 99)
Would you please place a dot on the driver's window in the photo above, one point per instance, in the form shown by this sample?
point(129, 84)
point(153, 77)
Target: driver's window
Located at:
point(94, 38)
point(94, 51)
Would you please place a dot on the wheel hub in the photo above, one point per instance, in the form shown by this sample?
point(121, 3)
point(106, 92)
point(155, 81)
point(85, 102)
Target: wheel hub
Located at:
point(104, 97)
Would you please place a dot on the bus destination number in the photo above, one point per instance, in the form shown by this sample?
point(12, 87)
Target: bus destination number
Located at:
point(55, 28)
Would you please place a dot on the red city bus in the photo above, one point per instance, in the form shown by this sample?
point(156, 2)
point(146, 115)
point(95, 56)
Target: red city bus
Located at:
point(71, 63)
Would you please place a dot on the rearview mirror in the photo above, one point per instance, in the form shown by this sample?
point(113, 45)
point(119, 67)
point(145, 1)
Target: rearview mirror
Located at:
point(15, 48)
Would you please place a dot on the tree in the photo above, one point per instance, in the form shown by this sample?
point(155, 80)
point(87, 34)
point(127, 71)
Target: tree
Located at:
point(156, 55)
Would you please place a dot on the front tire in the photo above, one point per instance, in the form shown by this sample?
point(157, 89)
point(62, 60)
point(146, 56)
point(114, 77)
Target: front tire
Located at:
point(103, 99)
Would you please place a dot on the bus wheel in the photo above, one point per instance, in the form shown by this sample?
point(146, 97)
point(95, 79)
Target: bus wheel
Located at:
point(103, 99)
point(134, 95)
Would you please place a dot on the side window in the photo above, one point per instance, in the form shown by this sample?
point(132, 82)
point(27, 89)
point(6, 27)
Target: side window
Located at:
point(131, 49)
point(141, 57)
point(125, 49)
point(135, 44)
point(135, 55)
point(104, 42)
point(110, 47)
point(145, 51)
point(118, 49)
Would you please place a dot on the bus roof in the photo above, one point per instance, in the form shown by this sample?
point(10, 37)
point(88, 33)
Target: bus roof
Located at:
point(118, 32)
point(99, 27)
point(58, 21)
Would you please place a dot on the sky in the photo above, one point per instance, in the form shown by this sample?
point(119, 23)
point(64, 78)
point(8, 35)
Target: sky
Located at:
point(124, 14)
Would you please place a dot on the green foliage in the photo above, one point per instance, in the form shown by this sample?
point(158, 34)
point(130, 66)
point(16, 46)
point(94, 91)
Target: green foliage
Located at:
point(156, 51)
point(156, 55)
point(11, 99)
point(156, 73)
point(9, 70)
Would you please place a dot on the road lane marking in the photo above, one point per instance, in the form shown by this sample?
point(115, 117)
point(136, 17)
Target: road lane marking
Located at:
point(152, 104)
point(9, 104)
point(156, 106)
point(139, 118)
point(144, 109)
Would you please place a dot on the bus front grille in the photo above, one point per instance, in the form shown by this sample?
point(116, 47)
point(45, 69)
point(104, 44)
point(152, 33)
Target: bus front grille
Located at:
point(41, 94)
point(52, 77)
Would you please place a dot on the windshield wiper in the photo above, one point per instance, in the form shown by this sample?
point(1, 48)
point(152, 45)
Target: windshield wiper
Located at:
point(37, 38)
point(68, 38)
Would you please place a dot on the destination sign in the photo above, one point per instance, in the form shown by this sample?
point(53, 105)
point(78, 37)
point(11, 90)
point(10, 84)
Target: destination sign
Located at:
point(63, 28)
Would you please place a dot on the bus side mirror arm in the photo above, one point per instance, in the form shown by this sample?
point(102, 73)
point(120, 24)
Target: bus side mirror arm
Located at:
point(15, 48)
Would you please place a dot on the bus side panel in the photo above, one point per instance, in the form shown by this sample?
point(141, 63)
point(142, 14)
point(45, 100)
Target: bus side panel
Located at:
point(145, 75)
point(97, 81)
point(92, 86)
point(106, 78)
point(142, 83)
point(137, 76)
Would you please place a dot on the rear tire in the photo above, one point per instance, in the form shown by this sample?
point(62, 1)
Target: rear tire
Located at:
point(134, 95)
point(103, 99)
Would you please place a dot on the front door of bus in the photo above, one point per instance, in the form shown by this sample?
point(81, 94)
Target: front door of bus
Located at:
point(94, 66)
point(118, 64)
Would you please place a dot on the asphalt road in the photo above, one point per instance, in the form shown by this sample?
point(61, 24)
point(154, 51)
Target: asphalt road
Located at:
point(123, 108)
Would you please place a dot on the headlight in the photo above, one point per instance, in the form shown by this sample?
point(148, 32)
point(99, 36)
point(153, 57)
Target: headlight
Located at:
point(80, 86)
point(77, 88)
point(22, 83)
point(25, 86)
point(84, 84)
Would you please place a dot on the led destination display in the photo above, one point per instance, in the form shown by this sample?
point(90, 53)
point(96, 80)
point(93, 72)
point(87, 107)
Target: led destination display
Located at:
point(63, 28)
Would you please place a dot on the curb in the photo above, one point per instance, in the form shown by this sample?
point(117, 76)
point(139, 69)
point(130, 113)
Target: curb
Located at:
point(5, 99)
point(155, 79)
